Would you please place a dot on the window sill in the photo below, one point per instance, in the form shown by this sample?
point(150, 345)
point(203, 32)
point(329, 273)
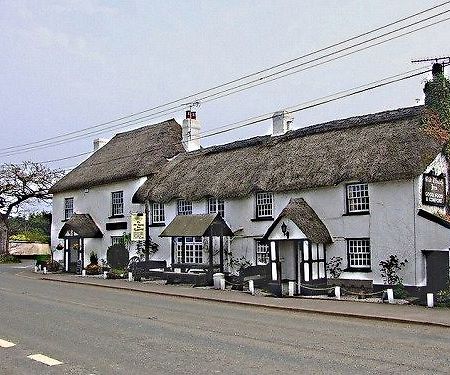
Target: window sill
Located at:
point(262, 219)
point(356, 213)
point(116, 216)
point(157, 225)
point(365, 270)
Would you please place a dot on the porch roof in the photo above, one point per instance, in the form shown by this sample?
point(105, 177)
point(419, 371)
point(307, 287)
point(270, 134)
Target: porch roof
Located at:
point(306, 219)
point(83, 225)
point(197, 226)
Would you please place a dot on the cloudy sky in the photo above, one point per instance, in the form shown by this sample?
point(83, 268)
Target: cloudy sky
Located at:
point(67, 65)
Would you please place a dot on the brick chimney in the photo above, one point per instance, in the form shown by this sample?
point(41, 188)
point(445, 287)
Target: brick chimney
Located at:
point(99, 143)
point(282, 122)
point(191, 131)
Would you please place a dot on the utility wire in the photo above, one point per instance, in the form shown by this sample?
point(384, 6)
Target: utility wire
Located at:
point(256, 83)
point(294, 109)
point(245, 77)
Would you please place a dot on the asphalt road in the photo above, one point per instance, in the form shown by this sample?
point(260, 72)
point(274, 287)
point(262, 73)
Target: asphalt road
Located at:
point(103, 331)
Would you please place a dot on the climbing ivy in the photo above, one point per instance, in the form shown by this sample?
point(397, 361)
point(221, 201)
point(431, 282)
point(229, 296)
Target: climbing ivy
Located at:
point(436, 116)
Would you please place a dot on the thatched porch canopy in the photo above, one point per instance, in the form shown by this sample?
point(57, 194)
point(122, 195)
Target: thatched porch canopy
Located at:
point(306, 219)
point(197, 226)
point(83, 225)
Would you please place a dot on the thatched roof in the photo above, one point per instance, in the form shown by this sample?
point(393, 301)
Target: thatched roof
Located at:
point(378, 147)
point(81, 224)
point(197, 226)
point(28, 248)
point(306, 220)
point(136, 153)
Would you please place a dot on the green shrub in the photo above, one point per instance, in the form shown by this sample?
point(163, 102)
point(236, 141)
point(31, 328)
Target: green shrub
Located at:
point(443, 298)
point(93, 258)
point(400, 291)
point(7, 258)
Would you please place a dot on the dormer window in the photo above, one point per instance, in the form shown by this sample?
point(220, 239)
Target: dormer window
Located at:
point(357, 198)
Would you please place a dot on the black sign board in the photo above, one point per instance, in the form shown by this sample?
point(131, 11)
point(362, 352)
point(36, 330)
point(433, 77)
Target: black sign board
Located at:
point(433, 190)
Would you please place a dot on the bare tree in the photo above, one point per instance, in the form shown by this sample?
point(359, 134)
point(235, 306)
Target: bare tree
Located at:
point(21, 183)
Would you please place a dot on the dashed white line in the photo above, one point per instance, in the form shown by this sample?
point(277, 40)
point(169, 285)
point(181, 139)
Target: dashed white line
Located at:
point(44, 359)
point(6, 344)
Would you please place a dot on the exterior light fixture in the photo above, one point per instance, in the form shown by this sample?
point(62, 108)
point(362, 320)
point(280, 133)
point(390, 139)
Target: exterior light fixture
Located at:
point(284, 229)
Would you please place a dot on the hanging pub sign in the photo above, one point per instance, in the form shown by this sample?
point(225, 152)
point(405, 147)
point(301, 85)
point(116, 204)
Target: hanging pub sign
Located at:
point(433, 190)
point(138, 227)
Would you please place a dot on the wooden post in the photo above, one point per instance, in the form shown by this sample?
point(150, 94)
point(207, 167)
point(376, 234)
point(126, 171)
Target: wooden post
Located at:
point(221, 253)
point(211, 260)
point(147, 232)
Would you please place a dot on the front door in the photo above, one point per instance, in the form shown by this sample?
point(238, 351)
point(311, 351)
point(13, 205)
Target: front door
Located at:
point(72, 254)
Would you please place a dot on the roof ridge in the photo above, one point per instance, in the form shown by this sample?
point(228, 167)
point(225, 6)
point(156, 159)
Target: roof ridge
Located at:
point(339, 124)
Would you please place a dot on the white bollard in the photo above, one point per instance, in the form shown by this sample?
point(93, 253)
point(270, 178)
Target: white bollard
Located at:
point(430, 299)
point(390, 294)
point(105, 274)
point(130, 276)
point(337, 292)
point(222, 284)
point(45, 270)
point(291, 288)
point(83, 273)
point(36, 268)
point(251, 287)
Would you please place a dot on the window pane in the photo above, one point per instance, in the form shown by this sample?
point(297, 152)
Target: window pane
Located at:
point(359, 253)
point(117, 203)
point(306, 271)
point(315, 271)
point(321, 251)
point(321, 270)
point(305, 251)
point(314, 251)
point(158, 215)
point(358, 198)
point(262, 253)
point(264, 205)
point(184, 207)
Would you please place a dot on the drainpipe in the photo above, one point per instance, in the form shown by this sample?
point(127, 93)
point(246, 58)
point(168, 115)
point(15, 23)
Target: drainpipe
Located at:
point(147, 232)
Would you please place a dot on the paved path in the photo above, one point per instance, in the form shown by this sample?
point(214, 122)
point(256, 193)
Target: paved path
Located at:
point(96, 330)
point(398, 313)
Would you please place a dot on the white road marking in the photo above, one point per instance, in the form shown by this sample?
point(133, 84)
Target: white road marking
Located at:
point(6, 344)
point(44, 359)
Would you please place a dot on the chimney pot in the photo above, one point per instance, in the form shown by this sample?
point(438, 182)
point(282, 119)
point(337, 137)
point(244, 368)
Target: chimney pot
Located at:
point(281, 122)
point(99, 143)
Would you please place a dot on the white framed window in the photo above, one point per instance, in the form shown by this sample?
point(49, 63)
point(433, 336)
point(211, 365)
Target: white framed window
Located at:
point(262, 253)
point(264, 204)
point(194, 249)
point(68, 208)
point(184, 207)
point(358, 253)
point(117, 203)
point(116, 240)
point(179, 250)
point(216, 205)
point(158, 216)
point(357, 198)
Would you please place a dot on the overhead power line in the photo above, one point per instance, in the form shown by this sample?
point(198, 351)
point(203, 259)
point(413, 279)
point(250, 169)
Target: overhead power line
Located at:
point(230, 90)
point(297, 108)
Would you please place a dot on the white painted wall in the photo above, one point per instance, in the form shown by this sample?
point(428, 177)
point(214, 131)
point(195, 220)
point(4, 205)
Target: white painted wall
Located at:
point(96, 201)
point(393, 226)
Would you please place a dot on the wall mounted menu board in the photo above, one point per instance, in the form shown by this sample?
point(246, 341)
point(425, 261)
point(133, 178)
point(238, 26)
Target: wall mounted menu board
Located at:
point(433, 190)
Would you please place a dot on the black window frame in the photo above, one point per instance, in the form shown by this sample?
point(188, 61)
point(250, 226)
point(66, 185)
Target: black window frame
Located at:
point(66, 210)
point(358, 269)
point(219, 206)
point(113, 204)
point(347, 204)
point(189, 203)
point(259, 217)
